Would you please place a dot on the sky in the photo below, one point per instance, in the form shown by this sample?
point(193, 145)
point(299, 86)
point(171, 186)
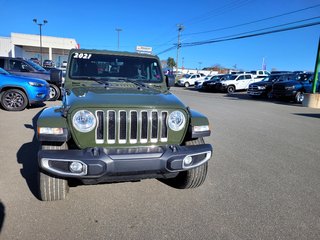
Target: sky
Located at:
point(154, 24)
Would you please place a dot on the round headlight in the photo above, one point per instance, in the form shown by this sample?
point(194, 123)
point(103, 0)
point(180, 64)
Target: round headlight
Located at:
point(176, 121)
point(84, 121)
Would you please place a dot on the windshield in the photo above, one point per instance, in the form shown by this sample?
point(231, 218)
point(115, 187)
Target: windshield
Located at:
point(187, 76)
point(215, 78)
point(36, 66)
point(228, 77)
point(271, 78)
point(100, 66)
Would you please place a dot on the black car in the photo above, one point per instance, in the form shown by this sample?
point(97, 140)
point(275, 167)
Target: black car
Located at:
point(264, 87)
point(295, 87)
point(210, 85)
point(48, 64)
point(27, 68)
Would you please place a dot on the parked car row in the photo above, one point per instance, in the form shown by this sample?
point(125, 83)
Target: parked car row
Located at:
point(228, 82)
point(295, 87)
point(287, 85)
point(190, 79)
point(27, 68)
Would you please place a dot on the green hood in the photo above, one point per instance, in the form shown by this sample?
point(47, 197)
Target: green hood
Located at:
point(101, 97)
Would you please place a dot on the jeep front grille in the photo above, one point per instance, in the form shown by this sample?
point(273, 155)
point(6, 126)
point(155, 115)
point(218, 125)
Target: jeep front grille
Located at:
point(124, 126)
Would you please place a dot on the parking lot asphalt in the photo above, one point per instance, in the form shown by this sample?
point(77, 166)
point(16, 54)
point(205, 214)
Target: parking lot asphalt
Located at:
point(263, 181)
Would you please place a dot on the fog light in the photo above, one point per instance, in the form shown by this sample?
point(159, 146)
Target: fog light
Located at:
point(187, 160)
point(76, 167)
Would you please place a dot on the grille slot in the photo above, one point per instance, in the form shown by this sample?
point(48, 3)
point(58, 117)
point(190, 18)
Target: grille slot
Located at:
point(154, 126)
point(100, 127)
point(122, 126)
point(164, 128)
point(133, 127)
point(144, 127)
point(111, 121)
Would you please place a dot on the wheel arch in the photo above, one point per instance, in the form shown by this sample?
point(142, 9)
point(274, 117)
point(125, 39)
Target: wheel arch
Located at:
point(5, 88)
point(232, 85)
point(197, 119)
point(53, 118)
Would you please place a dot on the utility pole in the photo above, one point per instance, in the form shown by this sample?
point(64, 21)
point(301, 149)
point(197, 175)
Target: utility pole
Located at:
point(316, 70)
point(180, 28)
point(40, 26)
point(118, 30)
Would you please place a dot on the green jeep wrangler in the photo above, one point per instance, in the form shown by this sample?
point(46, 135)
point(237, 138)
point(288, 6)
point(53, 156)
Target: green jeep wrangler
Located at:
point(119, 122)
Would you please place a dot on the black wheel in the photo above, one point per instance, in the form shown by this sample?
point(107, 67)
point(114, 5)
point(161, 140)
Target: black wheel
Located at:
point(191, 178)
point(299, 97)
point(54, 92)
point(231, 89)
point(52, 188)
point(14, 100)
point(187, 84)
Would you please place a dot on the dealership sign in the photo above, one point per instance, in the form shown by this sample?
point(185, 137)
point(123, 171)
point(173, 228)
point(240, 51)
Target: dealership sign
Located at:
point(144, 49)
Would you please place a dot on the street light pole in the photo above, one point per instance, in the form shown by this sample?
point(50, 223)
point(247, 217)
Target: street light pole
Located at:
point(40, 27)
point(118, 30)
point(180, 28)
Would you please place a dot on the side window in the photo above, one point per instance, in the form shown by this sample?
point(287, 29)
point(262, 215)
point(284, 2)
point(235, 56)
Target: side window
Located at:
point(260, 72)
point(155, 74)
point(241, 77)
point(2, 63)
point(248, 77)
point(15, 65)
point(194, 76)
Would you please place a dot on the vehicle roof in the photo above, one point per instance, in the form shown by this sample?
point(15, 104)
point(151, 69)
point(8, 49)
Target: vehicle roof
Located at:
point(109, 52)
point(18, 58)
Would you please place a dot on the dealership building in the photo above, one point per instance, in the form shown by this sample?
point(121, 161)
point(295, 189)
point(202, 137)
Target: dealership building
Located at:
point(28, 46)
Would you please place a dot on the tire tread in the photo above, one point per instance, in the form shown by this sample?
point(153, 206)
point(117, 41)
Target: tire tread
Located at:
point(52, 188)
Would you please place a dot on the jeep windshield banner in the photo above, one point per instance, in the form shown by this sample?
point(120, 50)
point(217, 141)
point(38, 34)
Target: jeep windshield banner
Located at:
point(87, 66)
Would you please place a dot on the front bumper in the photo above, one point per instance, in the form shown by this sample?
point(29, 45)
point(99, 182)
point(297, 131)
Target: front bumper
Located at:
point(104, 163)
point(223, 87)
point(256, 92)
point(40, 94)
point(284, 93)
point(180, 83)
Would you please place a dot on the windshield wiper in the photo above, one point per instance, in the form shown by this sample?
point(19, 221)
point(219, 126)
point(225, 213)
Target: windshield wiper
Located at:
point(135, 82)
point(96, 79)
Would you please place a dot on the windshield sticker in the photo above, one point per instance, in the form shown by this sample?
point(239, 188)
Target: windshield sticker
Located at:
point(82, 55)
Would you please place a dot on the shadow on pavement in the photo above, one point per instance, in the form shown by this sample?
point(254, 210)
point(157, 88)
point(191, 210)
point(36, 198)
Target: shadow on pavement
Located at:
point(244, 96)
point(27, 155)
point(37, 105)
point(2, 215)
point(313, 115)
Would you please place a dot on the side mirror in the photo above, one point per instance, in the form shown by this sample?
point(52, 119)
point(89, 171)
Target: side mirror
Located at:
point(170, 81)
point(56, 75)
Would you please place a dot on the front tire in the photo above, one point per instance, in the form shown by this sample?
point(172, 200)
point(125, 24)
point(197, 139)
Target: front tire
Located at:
point(14, 100)
point(298, 98)
point(191, 178)
point(187, 84)
point(54, 93)
point(231, 89)
point(52, 188)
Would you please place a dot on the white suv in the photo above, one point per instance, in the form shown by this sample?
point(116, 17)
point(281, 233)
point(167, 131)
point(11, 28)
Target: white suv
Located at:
point(234, 82)
point(190, 79)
